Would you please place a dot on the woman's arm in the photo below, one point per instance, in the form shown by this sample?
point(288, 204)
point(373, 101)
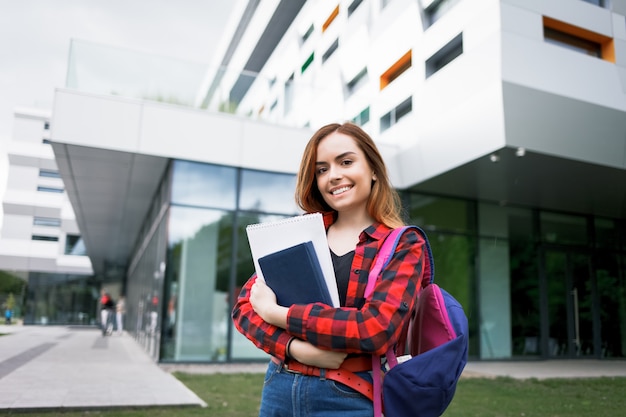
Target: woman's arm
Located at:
point(375, 326)
point(305, 352)
point(265, 336)
point(273, 339)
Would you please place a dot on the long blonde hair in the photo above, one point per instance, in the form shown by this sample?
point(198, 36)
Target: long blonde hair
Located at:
point(383, 203)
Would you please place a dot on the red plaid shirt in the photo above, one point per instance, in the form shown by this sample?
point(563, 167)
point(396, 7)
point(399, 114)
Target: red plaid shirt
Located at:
point(360, 326)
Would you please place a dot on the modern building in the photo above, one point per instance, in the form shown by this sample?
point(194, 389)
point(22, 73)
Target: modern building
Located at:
point(40, 241)
point(503, 123)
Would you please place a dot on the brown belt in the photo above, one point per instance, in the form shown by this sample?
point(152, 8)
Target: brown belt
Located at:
point(345, 374)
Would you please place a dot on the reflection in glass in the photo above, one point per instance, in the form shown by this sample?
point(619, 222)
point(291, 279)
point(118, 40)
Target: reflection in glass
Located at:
point(612, 293)
point(197, 306)
point(242, 348)
point(570, 306)
point(203, 185)
point(453, 253)
point(60, 299)
point(144, 295)
point(448, 214)
point(563, 228)
point(607, 233)
point(524, 283)
point(268, 192)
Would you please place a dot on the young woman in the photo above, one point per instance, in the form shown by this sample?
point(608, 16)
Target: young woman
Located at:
point(321, 355)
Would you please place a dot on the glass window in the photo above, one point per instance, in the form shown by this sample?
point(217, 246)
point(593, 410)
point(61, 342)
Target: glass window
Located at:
point(572, 42)
point(363, 117)
point(435, 9)
point(289, 93)
point(396, 114)
point(241, 347)
point(308, 33)
point(61, 299)
point(74, 245)
point(46, 221)
point(611, 284)
point(563, 229)
point(197, 285)
point(48, 173)
point(203, 185)
point(268, 192)
point(404, 108)
point(607, 233)
point(359, 80)
point(45, 238)
point(353, 6)
point(445, 55)
point(49, 189)
point(385, 122)
point(436, 213)
point(600, 3)
point(330, 50)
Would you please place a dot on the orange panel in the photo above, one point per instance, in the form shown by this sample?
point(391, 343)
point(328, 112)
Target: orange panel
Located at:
point(330, 19)
point(606, 43)
point(396, 69)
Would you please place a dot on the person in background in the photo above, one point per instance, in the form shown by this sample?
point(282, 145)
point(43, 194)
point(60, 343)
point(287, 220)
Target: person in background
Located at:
point(343, 176)
point(106, 310)
point(120, 310)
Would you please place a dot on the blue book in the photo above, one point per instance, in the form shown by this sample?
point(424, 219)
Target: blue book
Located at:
point(295, 275)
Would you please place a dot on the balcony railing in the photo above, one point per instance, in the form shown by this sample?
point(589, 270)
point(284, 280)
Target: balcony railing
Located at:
point(101, 69)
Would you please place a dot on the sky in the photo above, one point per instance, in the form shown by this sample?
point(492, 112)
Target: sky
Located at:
point(35, 40)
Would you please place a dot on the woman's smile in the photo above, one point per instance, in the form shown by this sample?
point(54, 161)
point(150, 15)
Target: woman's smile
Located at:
point(341, 190)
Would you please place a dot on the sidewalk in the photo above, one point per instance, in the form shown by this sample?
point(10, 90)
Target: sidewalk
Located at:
point(53, 367)
point(56, 367)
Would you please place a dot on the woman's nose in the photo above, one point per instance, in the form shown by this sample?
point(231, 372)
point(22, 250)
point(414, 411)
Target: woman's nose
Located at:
point(335, 173)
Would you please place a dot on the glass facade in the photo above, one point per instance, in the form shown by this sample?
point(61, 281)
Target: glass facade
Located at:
point(534, 284)
point(61, 299)
point(186, 285)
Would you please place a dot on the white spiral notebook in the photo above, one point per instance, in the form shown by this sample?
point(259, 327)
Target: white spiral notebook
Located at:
point(270, 237)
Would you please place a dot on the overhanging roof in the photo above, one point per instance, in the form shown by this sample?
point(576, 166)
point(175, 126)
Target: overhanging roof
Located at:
point(111, 192)
point(535, 180)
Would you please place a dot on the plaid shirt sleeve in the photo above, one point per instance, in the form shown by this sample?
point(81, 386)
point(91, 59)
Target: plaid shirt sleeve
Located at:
point(366, 326)
point(270, 338)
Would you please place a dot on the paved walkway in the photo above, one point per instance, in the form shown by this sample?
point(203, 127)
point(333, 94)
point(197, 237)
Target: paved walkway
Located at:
point(53, 367)
point(56, 367)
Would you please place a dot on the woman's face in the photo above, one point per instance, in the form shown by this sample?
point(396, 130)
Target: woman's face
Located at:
point(343, 175)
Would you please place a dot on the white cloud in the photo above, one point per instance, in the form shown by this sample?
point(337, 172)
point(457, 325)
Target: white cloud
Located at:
point(35, 38)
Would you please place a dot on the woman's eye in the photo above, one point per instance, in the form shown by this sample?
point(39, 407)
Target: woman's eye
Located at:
point(346, 162)
point(321, 170)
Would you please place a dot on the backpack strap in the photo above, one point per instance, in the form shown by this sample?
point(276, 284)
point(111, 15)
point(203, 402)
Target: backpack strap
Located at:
point(382, 259)
point(386, 251)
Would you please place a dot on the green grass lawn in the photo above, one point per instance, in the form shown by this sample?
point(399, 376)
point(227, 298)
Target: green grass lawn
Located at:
point(237, 395)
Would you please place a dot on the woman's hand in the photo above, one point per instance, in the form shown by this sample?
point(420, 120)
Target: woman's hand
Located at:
point(263, 301)
point(306, 353)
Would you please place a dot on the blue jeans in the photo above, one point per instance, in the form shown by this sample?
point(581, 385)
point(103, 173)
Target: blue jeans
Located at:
point(286, 394)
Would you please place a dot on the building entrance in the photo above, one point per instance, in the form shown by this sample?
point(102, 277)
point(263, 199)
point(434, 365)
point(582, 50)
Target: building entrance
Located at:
point(573, 327)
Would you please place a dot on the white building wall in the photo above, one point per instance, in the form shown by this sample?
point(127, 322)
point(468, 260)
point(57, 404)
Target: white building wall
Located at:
point(474, 106)
point(148, 128)
point(22, 203)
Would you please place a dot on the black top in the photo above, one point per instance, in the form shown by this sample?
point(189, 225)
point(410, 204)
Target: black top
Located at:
point(342, 265)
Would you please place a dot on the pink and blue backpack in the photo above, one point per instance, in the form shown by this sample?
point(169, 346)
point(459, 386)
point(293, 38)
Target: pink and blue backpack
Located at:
point(436, 339)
